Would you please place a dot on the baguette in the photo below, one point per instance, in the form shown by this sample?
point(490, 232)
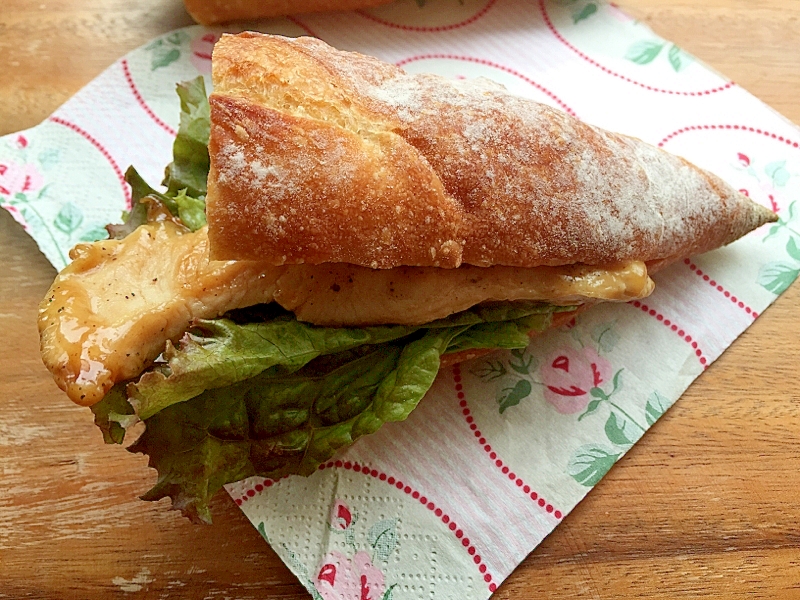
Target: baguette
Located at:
point(321, 156)
point(213, 12)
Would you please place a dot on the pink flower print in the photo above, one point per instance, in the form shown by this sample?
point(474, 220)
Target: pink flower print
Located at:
point(744, 160)
point(767, 191)
point(339, 578)
point(569, 375)
point(22, 142)
point(341, 516)
point(201, 48)
point(370, 577)
point(19, 179)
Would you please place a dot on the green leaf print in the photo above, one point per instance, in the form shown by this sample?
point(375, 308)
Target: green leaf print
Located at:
point(784, 223)
point(48, 157)
point(167, 50)
point(773, 231)
point(596, 392)
point(68, 219)
point(616, 382)
point(644, 52)
point(519, 364)
point(656, 406)
point(514, 395)
point(792, 249)
point(776, 277)
point(605, 336)
point(383, 538)
point(297, 567)
point(388, 594)
point(592, 406)
point(32, 216)
point(94, 234)
point(678, 58)
point(590, 463)
point(163, 57)
point(586, 12)
point(777, 172)
point(490, 370)
point(263, 531)
point(177, 38)
point(615, 431)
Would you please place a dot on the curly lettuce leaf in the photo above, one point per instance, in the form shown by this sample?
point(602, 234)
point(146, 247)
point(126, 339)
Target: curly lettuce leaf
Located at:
point(508, 335)
point(282, 397)
point(138, 215)
point(280, 425)
point(185, 177)
point(191, 211)
point(112, 413)
point(189, 167)
point(196, 449)
point(219, 352)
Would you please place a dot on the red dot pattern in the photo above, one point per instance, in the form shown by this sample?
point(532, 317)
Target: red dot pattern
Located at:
point(493, 455)
point(431, 506)
point(681, 333)
point(500, 67)
point(713, 283)
point(464, 23)
point(129, 78)
point(83, 133)
point(746, 128)
point(374, 473)
point(257, 488)
point(605, 69)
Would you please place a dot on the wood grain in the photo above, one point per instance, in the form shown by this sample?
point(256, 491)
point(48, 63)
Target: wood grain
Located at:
point(705, 505)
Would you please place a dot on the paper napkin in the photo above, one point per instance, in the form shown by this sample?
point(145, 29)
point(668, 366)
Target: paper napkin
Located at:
point(449, 502)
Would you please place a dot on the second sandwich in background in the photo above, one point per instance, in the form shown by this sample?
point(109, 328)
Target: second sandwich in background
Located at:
point(212, 12)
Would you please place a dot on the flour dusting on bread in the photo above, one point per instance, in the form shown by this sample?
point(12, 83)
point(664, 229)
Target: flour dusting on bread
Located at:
point(320, 155)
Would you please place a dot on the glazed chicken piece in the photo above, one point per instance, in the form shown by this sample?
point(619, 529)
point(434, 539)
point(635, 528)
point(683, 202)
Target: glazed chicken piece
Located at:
point(109, 314)
point(342, 295)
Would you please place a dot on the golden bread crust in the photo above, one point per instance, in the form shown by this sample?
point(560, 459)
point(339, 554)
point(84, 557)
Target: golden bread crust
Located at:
point(322, 156)
point(277, 191)
point(211, 12)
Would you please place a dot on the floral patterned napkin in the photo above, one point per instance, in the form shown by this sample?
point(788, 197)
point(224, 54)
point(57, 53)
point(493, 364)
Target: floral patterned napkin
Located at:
point(446, 504)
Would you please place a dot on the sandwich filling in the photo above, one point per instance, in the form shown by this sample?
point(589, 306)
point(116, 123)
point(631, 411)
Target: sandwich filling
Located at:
point(110, 313)
point(241, 368)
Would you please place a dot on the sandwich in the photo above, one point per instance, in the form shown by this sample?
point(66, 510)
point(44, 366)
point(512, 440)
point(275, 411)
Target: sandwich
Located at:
point(213, 12)
point(331, 232)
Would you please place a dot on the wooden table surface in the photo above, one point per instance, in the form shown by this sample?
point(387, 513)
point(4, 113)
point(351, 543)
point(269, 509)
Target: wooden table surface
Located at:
point(707, 504)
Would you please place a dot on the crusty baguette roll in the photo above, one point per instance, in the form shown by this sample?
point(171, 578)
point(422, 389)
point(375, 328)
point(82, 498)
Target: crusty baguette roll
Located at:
point(211, 12)
point(319, 156)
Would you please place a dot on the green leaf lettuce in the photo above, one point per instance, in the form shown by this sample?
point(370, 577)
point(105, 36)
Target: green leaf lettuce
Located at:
point(260, 393)
point(281, 397)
